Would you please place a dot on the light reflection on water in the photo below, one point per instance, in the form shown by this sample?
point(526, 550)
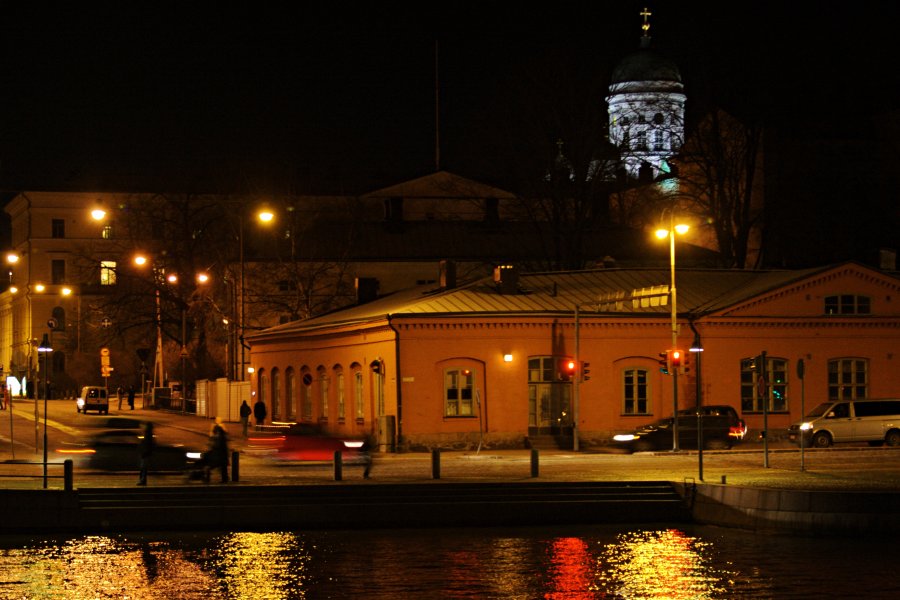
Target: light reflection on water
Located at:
point(572, 563)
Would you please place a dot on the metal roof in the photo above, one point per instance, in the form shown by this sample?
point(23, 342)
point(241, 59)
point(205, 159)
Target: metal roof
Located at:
point(700, 292)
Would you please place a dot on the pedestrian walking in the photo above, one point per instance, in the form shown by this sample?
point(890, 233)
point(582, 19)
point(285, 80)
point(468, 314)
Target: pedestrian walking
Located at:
point(259, 413)
point(245, 416)
point(119, 396)
point(4, 397)
point(145, 449)
point(131, 397)
point(217, 454)
point(366, 452)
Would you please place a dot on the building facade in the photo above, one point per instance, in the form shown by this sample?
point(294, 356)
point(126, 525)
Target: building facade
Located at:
point(487, 363)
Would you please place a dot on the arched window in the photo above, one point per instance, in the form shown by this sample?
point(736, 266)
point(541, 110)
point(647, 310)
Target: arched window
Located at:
point(276, 394)
point(290, 393)
point(341, 400)
point(358, 408)
point(263, 387)
point(306, 395)
point(324, 391)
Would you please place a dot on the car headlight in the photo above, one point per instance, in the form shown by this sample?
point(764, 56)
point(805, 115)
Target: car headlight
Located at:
point(194, 455)
point(625, 437)
point(806, 426)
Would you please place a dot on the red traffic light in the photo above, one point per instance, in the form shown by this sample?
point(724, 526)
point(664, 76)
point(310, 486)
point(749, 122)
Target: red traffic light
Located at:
point(676, 357)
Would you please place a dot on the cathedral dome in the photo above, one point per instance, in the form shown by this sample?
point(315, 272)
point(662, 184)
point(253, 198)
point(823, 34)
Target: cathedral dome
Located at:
point(646, 65)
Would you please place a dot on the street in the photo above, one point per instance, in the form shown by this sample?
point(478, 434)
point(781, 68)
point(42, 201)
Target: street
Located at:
point(846, 468)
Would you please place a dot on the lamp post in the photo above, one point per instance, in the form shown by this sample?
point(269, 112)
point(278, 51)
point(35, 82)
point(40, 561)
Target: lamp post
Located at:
point(45, 349)
point(264, 216)
point(662, 233)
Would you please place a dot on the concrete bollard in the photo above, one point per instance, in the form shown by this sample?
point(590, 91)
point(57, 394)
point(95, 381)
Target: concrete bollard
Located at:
point(235, 466)
point(535, 466)
point(338, 465)
point(436, 464)
point(68, 474)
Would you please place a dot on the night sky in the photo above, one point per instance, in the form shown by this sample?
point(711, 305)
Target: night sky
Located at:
point(299, 96)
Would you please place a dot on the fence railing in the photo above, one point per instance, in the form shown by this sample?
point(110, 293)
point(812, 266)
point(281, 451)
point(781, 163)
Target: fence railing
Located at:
point(30, 471)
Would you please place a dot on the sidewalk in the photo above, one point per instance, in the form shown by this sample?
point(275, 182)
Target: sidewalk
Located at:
point(859, 468)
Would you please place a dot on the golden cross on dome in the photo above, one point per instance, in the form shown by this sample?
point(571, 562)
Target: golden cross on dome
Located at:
point(646, 25)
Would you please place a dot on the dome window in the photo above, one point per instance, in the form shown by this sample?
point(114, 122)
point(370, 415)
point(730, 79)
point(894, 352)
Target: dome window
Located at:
point(658, 119)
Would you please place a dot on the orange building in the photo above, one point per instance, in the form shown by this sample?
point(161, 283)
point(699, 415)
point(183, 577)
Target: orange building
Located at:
point(488, 362)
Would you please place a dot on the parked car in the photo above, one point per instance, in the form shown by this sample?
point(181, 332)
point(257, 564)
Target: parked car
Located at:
point(117, 450)
point(658, 435)
point(307, 442)
point(92, 397)
point(876, 421)
point(737, 428)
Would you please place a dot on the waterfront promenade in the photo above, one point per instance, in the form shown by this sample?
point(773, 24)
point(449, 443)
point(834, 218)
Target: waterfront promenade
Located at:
point(850, 488)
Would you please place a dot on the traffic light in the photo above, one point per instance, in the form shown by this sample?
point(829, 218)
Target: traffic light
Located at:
point(585, 370)
point(664, 363)
point(676, 359)
point(566, 369)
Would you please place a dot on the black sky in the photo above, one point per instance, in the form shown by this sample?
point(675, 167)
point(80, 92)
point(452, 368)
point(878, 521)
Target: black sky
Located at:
point(102, 94)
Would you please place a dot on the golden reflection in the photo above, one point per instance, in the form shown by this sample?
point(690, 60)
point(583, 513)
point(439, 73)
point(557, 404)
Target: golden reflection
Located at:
point(262, 565)
point(659, 564)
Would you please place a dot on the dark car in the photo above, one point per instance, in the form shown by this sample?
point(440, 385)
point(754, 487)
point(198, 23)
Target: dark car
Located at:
point(307, 442)
point(717, 430)
point(117, 450)
point(737, 427)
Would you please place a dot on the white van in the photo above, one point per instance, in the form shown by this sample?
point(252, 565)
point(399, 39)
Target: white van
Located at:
point(876, 421)
point(92, 397)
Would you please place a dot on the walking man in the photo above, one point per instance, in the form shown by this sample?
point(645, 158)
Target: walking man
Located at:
point(259, 412)
point(245, 416)
point(145, 448)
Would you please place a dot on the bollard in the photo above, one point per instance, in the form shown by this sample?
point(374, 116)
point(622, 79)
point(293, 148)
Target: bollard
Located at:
point(68, 473)
point(338, 465)
point(235, 466)
point(436, 464)
point(723, 479)
point(535, 468)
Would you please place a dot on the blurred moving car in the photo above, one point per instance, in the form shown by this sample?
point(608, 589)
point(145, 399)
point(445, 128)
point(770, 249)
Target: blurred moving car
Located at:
point(720, 432)
point(117, 450)
point(307, 442)
point(737, 426)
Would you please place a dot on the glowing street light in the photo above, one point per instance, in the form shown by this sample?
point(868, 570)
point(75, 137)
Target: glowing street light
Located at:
point(663, 233)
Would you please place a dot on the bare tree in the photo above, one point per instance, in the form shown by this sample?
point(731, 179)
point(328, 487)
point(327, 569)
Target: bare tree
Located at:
point(719, 178)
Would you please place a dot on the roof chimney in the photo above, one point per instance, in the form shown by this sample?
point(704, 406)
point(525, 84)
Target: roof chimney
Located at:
point(366, 289)
point(448, 274)
point(507, 279)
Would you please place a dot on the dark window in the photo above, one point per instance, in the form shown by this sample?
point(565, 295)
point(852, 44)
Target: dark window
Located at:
point(59, 228)
point(880, 408)
point(58, 271)
point(658, 119)
point(847, 379)
point(848, 304)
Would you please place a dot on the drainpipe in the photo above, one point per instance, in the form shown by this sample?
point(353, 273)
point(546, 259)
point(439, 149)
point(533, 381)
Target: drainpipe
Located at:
point(399, 380)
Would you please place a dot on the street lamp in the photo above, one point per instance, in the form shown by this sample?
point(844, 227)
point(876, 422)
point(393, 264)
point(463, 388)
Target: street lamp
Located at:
point(45, 349)
point(264, 216)
point(663, 233)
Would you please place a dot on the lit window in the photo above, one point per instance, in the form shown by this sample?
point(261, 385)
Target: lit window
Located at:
point(290, 393)
point(323, 392)
point(340, 394)
point(848, 378)
point(107, 272)
point(459, 386)
point(635, 392)
point(755, 394)
point(276, 394)
point(358, 395)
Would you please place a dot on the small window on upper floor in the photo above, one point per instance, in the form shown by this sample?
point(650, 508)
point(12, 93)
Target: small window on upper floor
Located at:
point(58, 228)
point(626, 121)
point(848, 304)
point(658, 119)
